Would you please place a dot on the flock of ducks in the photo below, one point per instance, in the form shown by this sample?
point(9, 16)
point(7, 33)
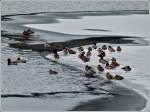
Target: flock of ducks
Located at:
point(85, 57)
point(103, 64)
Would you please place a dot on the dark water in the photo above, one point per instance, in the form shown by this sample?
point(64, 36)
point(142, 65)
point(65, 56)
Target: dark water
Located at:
point(21, 7)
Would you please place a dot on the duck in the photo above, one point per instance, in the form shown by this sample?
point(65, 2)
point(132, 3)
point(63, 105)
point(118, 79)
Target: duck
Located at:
point(65, 51)
point(9, 62)
point(52, 72)
point(119, 49)
point(104, 47)
point(83, 57)
point(20, 60)
point(71, 51)
point(56, 56)
point(103, 61)
point(80, 49)
point(89, 71)
point(118, 77)
point(115, 64)
point(111, 49)
point(100, 68)
point(89, 48)
point(126, 68)
point(30, 31)
point(108, 66)
point(101, 53)
point(94, 46)
point(109, 76)
point(88, 54)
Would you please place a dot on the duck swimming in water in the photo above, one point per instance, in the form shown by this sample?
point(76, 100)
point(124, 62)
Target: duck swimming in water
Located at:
point(9, 62)
point(126, 68)
point(52, 72)
point(20, 60)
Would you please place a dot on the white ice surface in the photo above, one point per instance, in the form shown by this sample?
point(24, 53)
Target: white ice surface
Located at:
point(130, 25)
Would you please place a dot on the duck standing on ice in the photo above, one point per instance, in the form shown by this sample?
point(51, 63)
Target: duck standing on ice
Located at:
point(94, 46)
point(88, 54)
point(100, 68)
point(80, 49)
point(83, 57)
point(101, 53)
point(114, 62)
point(119, 49)
point(111, 49)
point(89, 71)
point(126, 68)
point(104, 47)
point(56, 55)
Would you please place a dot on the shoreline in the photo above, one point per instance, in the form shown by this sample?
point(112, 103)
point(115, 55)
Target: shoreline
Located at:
point(108, 12)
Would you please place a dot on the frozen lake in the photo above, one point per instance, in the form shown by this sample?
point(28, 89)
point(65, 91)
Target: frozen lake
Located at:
point(128, 25)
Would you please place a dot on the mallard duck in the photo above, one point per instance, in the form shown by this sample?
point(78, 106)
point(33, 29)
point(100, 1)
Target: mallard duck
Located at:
point(119, 49)
point(109, 76)
point(126, 68)
point(71, 51)
point(103, 61)
point(89, 48)
point(100, 68)
point(115, 64)
point(88, 54)
point(9, 62)
point(111, 49)
point(108, 66)
point(52, 72)
point(101, 53)
point(56, 56)
point(89, 72)
point(20, 60)
point(104, 47)
point(80, 49)
point(84, 58)
point(94, 46)
point(29, 31)
point(118, 77)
